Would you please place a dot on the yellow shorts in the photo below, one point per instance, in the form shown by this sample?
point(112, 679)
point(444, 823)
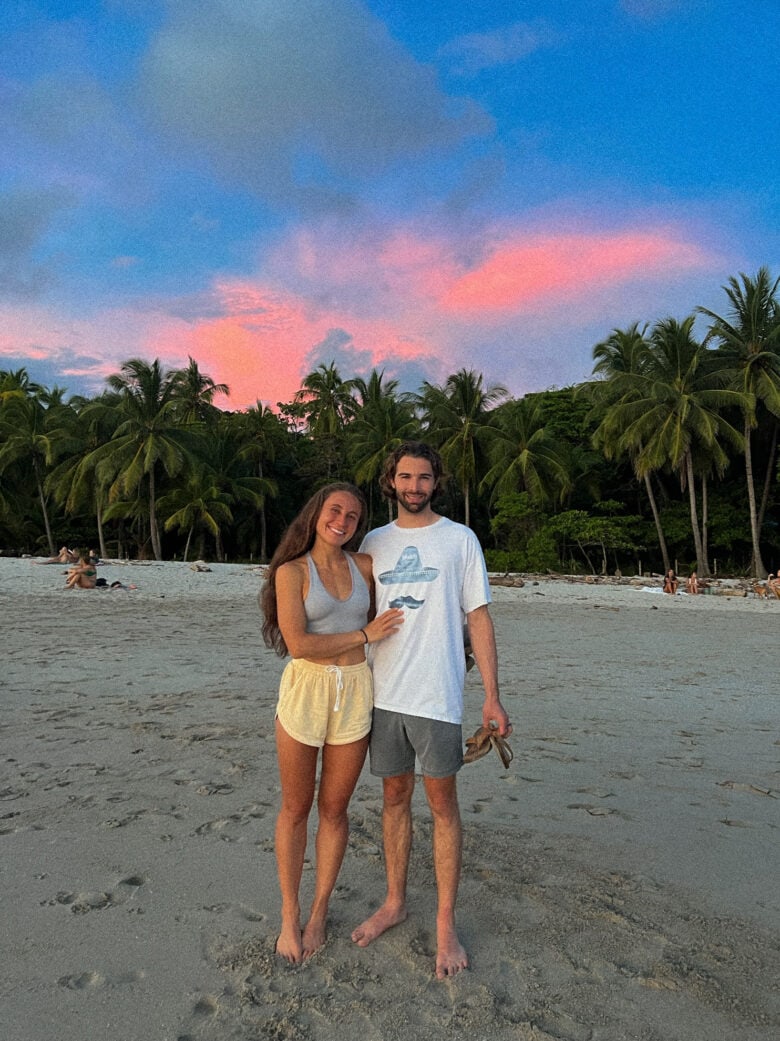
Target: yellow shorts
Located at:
point(325, 704)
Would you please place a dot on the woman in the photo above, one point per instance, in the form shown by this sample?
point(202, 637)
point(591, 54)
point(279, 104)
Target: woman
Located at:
point(671, 582)
point(82, 575)
point(317, 602)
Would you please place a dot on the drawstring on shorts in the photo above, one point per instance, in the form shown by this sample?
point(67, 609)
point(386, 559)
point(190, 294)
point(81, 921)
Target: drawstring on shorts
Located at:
point(339, 684)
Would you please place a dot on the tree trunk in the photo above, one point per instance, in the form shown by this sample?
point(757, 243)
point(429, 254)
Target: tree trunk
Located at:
point(44, 511)
point(187, 543)
point(657, 519)
point(154, 531)
point(263, 522)
point(768, 477)
point(101, 533)
point(587, 558)
point(701, 563)
point(759, 571)
point(705, 526)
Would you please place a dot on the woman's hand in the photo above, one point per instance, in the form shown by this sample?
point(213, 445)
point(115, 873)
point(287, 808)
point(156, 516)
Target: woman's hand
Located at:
point(384, 625)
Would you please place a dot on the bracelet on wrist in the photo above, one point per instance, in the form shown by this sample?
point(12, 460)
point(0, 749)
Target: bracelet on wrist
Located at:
point(365, 636)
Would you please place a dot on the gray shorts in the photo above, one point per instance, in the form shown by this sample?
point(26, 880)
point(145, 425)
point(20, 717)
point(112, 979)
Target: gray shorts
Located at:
point(397, 739)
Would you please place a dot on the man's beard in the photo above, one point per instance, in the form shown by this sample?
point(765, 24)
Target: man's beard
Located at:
point(417, 506)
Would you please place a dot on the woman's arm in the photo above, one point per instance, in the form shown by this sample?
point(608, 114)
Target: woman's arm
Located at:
point(318, 646)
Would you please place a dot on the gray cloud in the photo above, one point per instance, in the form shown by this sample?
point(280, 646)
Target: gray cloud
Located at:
point(294, 99)
point(26, 215)
point(339, 348)
point(474, 52)
point(67, 129)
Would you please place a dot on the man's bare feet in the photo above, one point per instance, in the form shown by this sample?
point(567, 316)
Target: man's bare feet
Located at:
point(451, 957)
point(313, 937)
point(289, 945)
point(379, 922)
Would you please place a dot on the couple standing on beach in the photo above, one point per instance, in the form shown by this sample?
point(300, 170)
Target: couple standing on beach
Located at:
point(406, 594)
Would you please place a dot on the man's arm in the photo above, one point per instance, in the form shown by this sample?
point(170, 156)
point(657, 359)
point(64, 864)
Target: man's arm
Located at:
point(483, 644)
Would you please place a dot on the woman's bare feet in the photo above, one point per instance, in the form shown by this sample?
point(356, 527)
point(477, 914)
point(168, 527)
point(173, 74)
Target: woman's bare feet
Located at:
point(289, 945)
point(379, 922)
point(313, 936)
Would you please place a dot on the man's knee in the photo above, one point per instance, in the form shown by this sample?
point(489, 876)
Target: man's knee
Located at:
point(442, 795)
point(397, 791)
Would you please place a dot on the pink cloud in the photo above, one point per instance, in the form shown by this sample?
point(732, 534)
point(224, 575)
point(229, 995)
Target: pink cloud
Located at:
point(260, 343)
point(432, 300)
point(520, 274)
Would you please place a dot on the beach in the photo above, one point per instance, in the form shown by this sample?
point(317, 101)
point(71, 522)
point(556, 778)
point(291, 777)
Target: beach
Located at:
point(620, 878)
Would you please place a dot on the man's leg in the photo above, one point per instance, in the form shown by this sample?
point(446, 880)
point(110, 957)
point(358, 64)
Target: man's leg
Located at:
point(397, 836)
point(442, 796)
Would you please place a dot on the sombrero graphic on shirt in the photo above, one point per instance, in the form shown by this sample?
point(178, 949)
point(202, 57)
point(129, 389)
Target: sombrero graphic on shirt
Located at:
point(408, 569)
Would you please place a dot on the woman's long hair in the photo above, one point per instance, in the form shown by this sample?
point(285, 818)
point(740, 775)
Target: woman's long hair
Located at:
point(297, 540)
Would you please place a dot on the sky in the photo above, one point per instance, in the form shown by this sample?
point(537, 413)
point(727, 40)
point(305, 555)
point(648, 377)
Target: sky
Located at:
point(267, 186)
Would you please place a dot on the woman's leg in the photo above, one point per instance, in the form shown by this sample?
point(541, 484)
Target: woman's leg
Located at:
point(341, 766)
point(297, 772)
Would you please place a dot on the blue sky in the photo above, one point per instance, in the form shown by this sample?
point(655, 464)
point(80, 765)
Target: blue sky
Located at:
point(267, 186)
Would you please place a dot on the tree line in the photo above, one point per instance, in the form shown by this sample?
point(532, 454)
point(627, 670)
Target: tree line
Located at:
point(665, 457)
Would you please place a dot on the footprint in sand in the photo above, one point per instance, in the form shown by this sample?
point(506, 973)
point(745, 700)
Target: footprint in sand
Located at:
point(84, 981)
point(594, 811)
point(84, 902)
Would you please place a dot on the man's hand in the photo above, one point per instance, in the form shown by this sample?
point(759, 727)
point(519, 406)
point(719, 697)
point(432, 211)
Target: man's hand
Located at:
point(495, 716)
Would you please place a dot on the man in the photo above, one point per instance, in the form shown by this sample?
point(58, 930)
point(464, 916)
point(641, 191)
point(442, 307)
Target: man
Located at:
point(435, 570)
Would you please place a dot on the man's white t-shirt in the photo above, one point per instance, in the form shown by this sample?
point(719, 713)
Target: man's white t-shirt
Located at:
point(437, 575)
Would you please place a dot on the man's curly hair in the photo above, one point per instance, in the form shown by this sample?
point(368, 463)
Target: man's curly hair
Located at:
point(417, 450)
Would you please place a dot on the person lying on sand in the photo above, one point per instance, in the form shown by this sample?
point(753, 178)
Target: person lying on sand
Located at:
point(65, 556)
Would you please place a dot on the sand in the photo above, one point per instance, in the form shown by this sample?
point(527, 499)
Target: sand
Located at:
point(620, 879)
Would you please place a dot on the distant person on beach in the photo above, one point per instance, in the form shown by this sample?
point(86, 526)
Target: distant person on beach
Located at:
point(65, 556)
point(671, 582)
point(318, 607)
point(82, 575)
point(435, 569)
point(692, 584)
point(773, 584)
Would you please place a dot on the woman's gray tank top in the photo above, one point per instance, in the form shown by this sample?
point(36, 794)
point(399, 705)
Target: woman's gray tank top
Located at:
point(326, 614)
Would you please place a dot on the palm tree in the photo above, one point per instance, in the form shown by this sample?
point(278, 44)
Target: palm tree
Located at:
point(458, 417)
point(384, 419)
point(231, 473)
point(619, 360)
point(523, 455)
point(749, 340)
point(262, 433)
point(74, 482)
point(31, 435)
point(676, 411)
point(195, 393)
point(325, 401)
point(18, 383)
point(149, 437)
point(324, 406)
point(198, 504)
